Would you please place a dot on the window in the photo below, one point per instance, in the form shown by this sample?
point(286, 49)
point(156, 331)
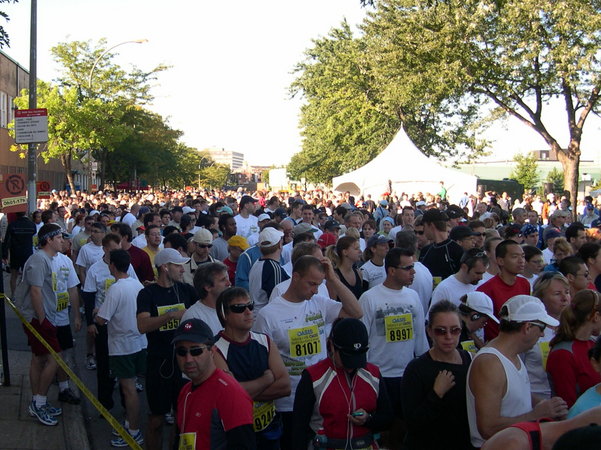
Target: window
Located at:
point(3, 110)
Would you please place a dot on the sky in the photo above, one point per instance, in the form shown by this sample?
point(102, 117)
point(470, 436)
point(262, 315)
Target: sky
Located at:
point(231, 65)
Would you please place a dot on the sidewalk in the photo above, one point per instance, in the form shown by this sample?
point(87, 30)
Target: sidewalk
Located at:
point(18, 430)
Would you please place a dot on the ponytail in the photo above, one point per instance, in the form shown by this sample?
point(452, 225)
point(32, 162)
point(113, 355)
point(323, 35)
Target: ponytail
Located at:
point(583, 306)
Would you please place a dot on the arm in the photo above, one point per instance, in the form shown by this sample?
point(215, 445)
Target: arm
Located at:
point(35, 293)
point(304, 402)
point(241, 438)
point(81, 273)
point(252, 387)
point(242, 270)
point(383, 415)
point(280, 387)
point(146, 323)
point(89, 302)
point(562, 374)
point(350, 304)
point(74, 299)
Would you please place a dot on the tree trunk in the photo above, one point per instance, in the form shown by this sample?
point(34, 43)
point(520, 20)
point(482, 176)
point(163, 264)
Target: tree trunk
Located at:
point(570, 161)
point(66, 162)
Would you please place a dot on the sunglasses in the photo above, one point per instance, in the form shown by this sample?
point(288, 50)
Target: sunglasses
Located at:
point(439, 331)
point(241, 307)
point(205, 245)
point(419, 233)
point(479, 234)
point(542, 326)
point(194, 351)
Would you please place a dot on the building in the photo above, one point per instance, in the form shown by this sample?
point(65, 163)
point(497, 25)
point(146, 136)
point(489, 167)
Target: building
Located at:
point(234, 160)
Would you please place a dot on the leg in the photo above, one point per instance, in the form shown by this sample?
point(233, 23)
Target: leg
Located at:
point(132, 403)
point(104, 380)
point(14, 274)
point(154, 433)
point(47, 375)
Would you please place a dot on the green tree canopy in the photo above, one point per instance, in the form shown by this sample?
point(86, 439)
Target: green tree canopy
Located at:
point(526, 171)
point(4, 38)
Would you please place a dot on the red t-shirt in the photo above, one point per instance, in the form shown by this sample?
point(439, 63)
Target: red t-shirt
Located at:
point(500, 292)
point(140, 261)
point(231, 269)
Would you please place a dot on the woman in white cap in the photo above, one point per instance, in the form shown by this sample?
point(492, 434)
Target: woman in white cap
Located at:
point(475, 310)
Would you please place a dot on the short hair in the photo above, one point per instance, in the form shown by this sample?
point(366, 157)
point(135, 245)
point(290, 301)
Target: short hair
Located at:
point(148, 218)
point(302, 237)
point(443, 306)
point(307, 207)
point(590, 250)
point(393, 257)
point(573, 229)
point(111, 237)
point(123, 229)
point(120, 259)
point(176, 241)
point(164, 212)
point(406, 239)
point(47, 215)
point(418, 222)
point(341, 211)
point(223, 218)
point(503, 248)
point(169, 229)
point(530, 251)
point(305, 263)
point(302, 249)
point(225, 299)
point(99, 226)
point(205, 276)
point(570, 265)
point(149, 228)
point(476, 224)
point(562, 245)
point(471, 257)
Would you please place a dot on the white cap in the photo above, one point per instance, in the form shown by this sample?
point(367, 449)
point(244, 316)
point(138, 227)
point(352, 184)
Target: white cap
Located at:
point(169, 256)
point(481, 303)
point(526, 308)
point(187, 209)
point(269, 236)
point(263, 217)
point(203, 236)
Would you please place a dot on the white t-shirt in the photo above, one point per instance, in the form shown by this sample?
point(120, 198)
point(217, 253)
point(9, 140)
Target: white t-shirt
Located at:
point(119, 309)
point(205, 313)
point(422, 284)
point(535, 365)
point(451, 289)
point(89, 254)
point(140, 241)
point(395, 324)
point(129, 219)
point(373, 274)
point(287, 252)
point(64, 278)
point(248, 228)
point(279, 289)
point(531, 280)
point(99, 280)
point(548, 255)
point(299, 331)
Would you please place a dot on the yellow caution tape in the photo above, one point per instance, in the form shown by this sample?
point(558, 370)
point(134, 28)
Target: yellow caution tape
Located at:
point(82, 387)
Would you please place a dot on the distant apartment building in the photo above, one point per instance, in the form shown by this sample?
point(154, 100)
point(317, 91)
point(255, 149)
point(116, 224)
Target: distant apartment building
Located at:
point(235, 160)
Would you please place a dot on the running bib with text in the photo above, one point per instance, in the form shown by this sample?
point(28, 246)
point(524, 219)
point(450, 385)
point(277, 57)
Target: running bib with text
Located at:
point(544, 352)
point(187, 441)
point(108, 283)
point(173, 323)
point(304, 341)
point(469, 346)
point(62, 301)
point(398, 328)
point(263, 414)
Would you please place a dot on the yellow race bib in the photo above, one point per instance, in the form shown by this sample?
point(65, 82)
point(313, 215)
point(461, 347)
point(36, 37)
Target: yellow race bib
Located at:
point(469, 346)
point(398, 328)
point(263, 414)
point(173, 323)
point(62, 301)
point(54, 282)
point(304, 341)
point(544, 352)
point(108, 283)
point(187, 441)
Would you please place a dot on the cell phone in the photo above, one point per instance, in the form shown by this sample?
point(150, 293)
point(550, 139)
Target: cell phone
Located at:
point(357, 414)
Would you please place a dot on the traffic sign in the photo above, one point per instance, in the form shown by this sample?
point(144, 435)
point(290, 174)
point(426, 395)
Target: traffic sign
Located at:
point(43, 189)
point(31, 126)
point(13, 195)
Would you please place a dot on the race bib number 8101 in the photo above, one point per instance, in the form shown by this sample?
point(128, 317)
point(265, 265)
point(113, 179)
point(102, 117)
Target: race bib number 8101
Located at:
point(399, 328)
point(304, 341)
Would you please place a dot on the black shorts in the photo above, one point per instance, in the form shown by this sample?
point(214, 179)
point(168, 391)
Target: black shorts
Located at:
point(393, 386)
point(17, 262)
point(163, 383)
point(65, 337)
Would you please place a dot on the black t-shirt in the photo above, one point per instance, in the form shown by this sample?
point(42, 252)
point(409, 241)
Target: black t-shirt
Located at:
point(442, 259)
point(157, 301)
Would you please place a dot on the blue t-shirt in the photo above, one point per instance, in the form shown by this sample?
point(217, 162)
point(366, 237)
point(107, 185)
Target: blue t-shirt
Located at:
point(589, 400)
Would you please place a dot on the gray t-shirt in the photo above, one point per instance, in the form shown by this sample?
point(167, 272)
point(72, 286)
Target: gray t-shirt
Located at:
point(37, 272)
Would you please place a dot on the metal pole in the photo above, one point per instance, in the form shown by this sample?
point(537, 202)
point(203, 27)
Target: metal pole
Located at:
point(5, 365)
point(31, 148)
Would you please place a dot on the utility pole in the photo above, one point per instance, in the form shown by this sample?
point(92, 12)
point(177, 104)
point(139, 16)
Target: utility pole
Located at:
point(33, 102)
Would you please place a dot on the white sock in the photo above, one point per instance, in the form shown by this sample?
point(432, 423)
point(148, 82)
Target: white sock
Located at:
point(126, 424)
point(133, 432)
point(40, 401)
point(63, 385)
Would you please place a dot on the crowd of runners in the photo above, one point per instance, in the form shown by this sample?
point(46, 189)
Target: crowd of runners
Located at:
point(317, 319)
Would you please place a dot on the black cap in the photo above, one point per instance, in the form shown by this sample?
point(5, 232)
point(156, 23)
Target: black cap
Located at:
point(177, 209)
point(461, 232)
point(434, 215)
point(349, 337)
point(454, 212)
point(193, 330)
point(331, 224)
point(247, 199)
point(280, 212)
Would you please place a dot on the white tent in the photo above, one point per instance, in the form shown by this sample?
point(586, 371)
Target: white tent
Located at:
point(404, 168)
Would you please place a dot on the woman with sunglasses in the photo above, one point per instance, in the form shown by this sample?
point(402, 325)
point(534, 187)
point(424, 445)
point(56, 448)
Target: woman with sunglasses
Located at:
point(475, 310)
point(433, 387)
point(553, 290)
point(253, 360)
point(568, 365)
point(341, 401)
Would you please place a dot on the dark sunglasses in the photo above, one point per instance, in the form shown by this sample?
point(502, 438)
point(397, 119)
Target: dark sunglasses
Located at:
point(241, 307)
point(479, 234)
point(419, 233)
point(542, 326)
point(455, 331)
point(194, 351)
point(205, 245)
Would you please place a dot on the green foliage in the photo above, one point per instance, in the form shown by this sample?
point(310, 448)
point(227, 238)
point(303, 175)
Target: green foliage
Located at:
point(526, 171)
point(214, 176)
point(4, 39)
point(555, 176)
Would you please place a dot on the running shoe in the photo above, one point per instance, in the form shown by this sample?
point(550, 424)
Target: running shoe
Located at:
point(42, 414)
point(68, 396)
point(139, 386)
point(120, 442)
point(169, 418)
point(90, 362)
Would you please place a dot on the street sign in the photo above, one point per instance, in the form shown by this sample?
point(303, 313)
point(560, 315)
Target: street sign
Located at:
point(31, 126)
point(43, 189)
point(13, 193)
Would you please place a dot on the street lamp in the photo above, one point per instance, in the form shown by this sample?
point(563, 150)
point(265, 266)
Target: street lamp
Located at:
point(102, 55)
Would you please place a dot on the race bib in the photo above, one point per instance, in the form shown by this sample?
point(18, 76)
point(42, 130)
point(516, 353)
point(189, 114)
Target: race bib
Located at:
point(398, 328)
point(108, 283)
point(263, 414)
point(173, 323)
point(544, 352)
point(62, 301)
point(469, 346)
point(304, 341)
point(187, 441)
point(54, 282)
point(436, 281)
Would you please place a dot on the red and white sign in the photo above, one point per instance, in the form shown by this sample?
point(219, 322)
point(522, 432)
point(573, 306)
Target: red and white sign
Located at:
point(31, 126)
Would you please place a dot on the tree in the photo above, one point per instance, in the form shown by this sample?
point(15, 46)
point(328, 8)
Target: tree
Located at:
point(555, 176)
point(214, 176)
point(4, 39)
point(526, 171)
point(480, 60)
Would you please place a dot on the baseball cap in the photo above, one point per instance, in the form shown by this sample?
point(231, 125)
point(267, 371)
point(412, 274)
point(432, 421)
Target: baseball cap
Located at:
point(551, 232)
point(589, 206)
point(512, 230)
point(187, 209)
point(454, 212)
point(247, 199)
point(461, 232)
point(349, 337)
point(203, 236)
point(526, 308)
point(169, 256)
point(529, 229)
point(269, 236)
point(434, 215)
point(560, 213)
point(177, 209)
point(481, 303)
point(280, 212)
point(331, 224)
point(596, 223)
point(193, 330)
point(377, 239)
point(304, 227)
point(383, 202)
point(420, 203)
point(326, 239)
point(238, 241)
point(263, 217)
point(225, 210)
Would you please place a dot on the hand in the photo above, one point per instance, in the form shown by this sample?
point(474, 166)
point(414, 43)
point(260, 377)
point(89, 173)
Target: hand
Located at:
point(77, 322)
point(92, 330)
point(555, 407)
point(359, 419)
point(444, 382)
point(328, 269)
point(177, 314)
